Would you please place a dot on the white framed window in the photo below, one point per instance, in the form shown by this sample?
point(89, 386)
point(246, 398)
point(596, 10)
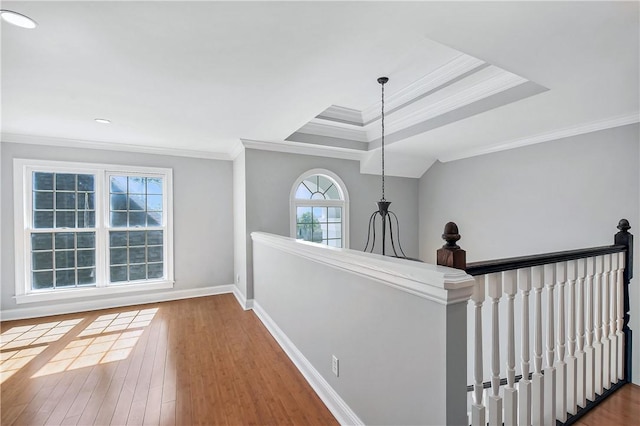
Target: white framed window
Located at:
point(320, 208)
point(91, 229)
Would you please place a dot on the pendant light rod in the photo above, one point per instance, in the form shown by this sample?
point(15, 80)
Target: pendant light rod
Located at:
point(387, 217)
point(383, 81)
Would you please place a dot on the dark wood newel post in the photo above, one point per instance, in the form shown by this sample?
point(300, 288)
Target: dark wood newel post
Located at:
point(451, 254)
point(624, 238)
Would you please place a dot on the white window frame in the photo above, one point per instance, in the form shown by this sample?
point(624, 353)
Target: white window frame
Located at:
point(343, 203)
point(23, 209)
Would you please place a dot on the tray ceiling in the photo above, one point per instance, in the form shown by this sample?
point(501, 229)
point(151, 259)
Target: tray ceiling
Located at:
point(198, 78)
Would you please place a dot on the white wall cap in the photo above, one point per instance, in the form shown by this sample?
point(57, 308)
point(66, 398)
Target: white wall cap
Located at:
point(437, 283)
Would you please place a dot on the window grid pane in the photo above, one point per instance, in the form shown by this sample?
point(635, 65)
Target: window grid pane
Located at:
point(136, 255)
point(319, 224)
point(317, 187)
point(62, 259)
point(62, 203)
point(135, 201)
point(66, 246)
point(63, 200)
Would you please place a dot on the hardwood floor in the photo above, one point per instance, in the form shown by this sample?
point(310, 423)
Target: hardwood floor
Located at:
point(188, 362)
point(620, 408)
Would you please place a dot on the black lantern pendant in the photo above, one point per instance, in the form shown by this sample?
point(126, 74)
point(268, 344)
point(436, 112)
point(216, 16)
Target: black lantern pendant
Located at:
point(388, 218)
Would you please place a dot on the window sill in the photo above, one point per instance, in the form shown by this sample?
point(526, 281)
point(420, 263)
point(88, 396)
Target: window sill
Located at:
point(74, 293)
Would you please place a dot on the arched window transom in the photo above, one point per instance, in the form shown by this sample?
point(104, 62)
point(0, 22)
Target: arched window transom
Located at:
point(319, 208)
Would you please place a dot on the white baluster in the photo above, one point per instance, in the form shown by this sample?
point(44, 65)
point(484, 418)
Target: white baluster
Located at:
point(581, 391)
point(613, 304)
point(550, 370)
point(524, 386)
point(606, 343)
point(561, 365)
point(510, 393)
point(478, 415)
point(572, 362)
point(620, 315)
point(494, 288)
point(589, 350)
point(597, 325)
point(537, 379)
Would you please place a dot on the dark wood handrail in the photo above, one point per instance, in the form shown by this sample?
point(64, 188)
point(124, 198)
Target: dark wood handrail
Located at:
point(508, 264)
point(453, 256)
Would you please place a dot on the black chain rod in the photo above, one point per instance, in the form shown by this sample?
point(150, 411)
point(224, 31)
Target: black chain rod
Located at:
point(383, 199)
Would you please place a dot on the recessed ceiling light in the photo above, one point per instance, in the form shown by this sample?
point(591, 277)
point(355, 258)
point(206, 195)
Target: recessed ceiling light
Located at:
point(103, 121)
point(17, 19)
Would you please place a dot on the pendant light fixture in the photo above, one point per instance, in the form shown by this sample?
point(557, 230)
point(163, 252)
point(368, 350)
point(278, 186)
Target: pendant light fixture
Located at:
point(388, 218)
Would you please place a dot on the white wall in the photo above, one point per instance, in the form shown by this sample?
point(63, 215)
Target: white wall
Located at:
point(203, 213)
point(240, 223)
point(271, 175)
point(398, 334)
point(558, 195)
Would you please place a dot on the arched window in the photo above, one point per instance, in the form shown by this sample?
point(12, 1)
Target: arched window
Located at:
point(319, 208)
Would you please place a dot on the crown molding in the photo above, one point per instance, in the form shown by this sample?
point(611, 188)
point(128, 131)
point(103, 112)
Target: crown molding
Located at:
point(321, 128)
point(305, 149)
point(497, 83)
point(442, 75)
point(237, 150)
point(111, 146)
point(576, 130)
point(340, 114)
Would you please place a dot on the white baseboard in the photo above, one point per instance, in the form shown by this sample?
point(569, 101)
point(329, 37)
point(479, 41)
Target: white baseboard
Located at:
point(128, 300)
point(242, 300)
point(342, 412)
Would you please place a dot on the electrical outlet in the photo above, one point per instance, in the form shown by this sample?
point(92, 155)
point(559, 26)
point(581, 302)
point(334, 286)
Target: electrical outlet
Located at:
point(334, 365)
point(238, 279)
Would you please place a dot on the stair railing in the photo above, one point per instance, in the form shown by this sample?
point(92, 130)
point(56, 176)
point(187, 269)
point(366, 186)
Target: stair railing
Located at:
point(580, 310)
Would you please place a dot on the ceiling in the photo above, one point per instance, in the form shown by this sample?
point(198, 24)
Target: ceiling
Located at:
point(197, 78)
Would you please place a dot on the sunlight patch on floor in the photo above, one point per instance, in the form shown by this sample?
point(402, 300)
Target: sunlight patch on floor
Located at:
point(118, 322)
point(19, 345)
point(36, 334)
point(108, 338)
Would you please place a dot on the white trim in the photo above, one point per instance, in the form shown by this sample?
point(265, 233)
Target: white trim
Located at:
point(488, 82)
point(91, 305)
point(497, 81)
point(245, 303)
point(340, 114)
point(338, 407)
point(343, 202)
point(447, 72)
point(112, 146)
point(22, 173)
point(332, 129)
point(74, 293)
point(306, 149)
point(440, 284)
point(237, 150)
point(566, 132)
